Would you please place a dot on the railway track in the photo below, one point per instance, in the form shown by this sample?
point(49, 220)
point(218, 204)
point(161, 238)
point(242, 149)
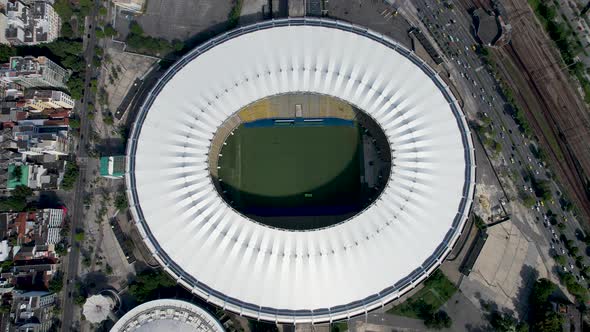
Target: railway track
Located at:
point(566, 169)
point(549, 96)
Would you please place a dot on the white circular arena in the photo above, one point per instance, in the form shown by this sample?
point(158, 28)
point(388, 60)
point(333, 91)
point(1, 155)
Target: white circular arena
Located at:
point(165, 316)
point(318, 275)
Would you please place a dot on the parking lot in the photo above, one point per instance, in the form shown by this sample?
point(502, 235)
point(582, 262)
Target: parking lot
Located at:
point(178, 19)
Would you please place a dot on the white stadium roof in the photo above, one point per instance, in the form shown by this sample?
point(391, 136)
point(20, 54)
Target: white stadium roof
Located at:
point(165, 316)
point(300, 276)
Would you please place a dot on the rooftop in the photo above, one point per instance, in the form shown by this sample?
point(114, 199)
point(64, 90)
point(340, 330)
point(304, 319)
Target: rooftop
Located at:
point(14, 181)
point(488, 29)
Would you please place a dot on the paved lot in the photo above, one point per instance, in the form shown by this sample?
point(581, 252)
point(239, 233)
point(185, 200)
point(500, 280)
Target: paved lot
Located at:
point(505, 270)
point(373, 14)
point(179, 19)
point(252, 11)
point(119, 76)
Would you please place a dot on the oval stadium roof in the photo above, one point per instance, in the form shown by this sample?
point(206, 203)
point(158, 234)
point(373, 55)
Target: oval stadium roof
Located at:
point(300, 276)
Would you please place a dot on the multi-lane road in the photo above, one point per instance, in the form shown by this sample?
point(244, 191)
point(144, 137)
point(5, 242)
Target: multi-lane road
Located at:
point(71, 263)
point(453, 31)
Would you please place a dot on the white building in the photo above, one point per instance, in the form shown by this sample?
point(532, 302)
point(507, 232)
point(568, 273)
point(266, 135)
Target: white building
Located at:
point(4, 250)
point(42, 99)
point(30, 22)
point(31, 72)
point(135, 6)
point(52, 222)
point(318, 275)
point(97, 308)
point(34, 139)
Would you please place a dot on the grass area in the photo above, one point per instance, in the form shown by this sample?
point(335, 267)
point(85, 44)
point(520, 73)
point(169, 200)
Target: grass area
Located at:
point(436, 291)
point(296, 167)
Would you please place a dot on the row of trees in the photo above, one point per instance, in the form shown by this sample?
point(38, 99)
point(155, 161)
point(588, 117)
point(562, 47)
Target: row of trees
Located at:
point(139, 41)
point(17, 201)
point(70, 175)
point(565, 39)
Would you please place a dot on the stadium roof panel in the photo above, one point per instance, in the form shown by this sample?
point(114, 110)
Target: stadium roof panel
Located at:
point(300, 276)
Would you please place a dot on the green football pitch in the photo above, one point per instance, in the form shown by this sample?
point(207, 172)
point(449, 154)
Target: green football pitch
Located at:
point(276, 169)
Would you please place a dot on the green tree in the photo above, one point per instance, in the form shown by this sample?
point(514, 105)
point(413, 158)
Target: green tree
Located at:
point(109, 31)
point(542, 317)
point(6, 52)
point(439, 320)
point(74, 123)
point(234, 14)
point(6, 265)
point(70, 175)
point(12, 204)
point(147, 283)
point(17, 172)
point(121, 201)
point(66, 30)
point(76, 86)
point(79, 236)
point(135, 29)
point(574, 288)
point(542, 288)
point(561, 260)
point(99, 33)
point(64, 9)
point(548, 321)
point(22, 192)
point(505, 322)
point(56, 283)
point(528, 200)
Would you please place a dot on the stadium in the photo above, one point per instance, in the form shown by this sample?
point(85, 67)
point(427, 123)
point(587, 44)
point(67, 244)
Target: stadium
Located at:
point(300, 170)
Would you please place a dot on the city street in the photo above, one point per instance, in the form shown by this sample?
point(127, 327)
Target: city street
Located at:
point(71, 265)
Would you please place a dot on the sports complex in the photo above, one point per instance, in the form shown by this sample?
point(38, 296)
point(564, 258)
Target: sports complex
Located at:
point(300, 170)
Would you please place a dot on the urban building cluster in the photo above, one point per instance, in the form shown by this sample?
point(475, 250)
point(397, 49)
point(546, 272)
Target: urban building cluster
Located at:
point(29, 258)
point(34, 124)
point(28, 22)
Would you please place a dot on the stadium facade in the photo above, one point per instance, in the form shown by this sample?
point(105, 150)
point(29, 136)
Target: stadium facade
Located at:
point(316, 275)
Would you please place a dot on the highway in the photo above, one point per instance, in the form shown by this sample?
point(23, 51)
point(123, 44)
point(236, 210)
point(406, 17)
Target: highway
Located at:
point(71, 266)
point(454, 32)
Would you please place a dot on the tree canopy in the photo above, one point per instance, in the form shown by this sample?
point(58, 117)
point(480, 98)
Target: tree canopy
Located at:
point(542, 316)
point(438, 320)
point(147, 283)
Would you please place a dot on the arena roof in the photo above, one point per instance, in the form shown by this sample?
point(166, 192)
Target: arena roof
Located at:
point(167, 315)
point(300, 276)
